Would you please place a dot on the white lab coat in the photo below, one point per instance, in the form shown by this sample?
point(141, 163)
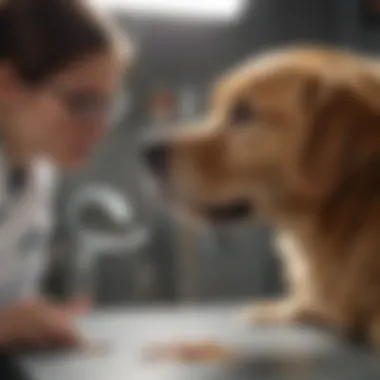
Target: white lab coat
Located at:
point(25, 226)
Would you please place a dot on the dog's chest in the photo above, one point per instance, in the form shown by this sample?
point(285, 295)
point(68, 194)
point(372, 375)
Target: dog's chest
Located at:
point(306, 278)
point(294, 258)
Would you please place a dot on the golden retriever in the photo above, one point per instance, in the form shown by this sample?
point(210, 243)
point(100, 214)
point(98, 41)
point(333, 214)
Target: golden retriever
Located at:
point(294, 137)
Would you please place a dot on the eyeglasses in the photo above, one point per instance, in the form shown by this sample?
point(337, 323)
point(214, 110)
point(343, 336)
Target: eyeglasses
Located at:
point(87, 105)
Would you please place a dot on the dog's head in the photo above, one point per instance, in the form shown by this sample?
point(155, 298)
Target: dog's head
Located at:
point(282, 133)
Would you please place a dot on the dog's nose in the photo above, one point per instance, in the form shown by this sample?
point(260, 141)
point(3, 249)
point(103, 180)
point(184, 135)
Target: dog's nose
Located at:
point(157, 155)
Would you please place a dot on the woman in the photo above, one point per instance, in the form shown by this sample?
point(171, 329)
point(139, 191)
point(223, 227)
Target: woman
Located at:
point(60, 65)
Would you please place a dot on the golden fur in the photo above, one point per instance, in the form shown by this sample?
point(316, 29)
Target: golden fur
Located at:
point(308, 159)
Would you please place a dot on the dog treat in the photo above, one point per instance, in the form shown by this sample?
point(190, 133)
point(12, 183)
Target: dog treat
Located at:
point(201, 351)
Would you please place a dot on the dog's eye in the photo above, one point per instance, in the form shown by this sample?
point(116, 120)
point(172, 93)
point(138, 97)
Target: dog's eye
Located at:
point(242, 114)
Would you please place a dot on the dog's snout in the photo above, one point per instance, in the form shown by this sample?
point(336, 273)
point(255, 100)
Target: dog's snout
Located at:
point(157, 157)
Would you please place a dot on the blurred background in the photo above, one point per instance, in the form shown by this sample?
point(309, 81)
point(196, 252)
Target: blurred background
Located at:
point(114, 241)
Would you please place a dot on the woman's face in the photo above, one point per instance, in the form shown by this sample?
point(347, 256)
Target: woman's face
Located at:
point(66, 117)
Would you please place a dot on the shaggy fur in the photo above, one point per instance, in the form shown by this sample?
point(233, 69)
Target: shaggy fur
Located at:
point(295, 134)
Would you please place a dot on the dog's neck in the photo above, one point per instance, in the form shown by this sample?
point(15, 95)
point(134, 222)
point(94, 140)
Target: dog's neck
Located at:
point(339, 219)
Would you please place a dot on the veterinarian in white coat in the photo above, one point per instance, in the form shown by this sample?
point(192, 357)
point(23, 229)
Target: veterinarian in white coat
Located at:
point(60, 66)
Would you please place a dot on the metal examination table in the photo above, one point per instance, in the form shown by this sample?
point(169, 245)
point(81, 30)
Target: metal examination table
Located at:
point(271, 352)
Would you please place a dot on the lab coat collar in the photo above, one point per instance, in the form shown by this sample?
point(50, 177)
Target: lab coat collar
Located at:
point(4, 178)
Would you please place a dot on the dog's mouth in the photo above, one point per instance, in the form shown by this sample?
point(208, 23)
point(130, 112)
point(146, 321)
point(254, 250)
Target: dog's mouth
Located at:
point(236, 210)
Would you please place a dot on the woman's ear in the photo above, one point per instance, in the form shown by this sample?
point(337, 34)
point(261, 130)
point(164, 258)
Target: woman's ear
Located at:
point(343, 132)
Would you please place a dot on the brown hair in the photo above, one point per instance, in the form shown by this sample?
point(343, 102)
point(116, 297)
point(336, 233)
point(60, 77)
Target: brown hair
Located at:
point(41, 37)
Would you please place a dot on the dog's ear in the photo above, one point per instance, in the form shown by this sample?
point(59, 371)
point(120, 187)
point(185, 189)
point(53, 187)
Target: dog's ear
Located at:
point(342, 135)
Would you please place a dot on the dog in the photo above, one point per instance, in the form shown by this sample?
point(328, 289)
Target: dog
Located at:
point(293, 137)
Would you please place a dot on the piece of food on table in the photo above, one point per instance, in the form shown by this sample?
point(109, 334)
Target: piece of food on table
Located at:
point(196, 351)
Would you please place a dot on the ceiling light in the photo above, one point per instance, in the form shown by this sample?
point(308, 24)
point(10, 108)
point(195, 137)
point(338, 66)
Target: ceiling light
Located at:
point(222, 10)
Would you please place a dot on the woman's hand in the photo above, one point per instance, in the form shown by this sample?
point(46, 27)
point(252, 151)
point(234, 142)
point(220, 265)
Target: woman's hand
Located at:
point(40, 323)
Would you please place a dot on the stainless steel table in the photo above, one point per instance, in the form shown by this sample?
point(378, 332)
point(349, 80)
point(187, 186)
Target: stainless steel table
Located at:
point(275, 352)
